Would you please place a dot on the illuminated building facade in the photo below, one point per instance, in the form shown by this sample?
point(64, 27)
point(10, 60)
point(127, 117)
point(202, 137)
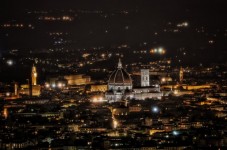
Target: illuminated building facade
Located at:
point(78, 79)
point(98, 88)
point(68, 80)
point(120, 86)
point(34, 75)
point(35, 89)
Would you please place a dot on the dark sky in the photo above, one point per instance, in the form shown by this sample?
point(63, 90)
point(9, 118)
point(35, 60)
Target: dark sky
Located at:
point(165, 5)
point(203, 9)
point(212, 13)
point(152, 15)
point(88, 30)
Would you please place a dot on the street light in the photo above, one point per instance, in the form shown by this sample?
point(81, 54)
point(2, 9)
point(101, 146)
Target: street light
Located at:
point(155, 109)
point(53, 85)
point(175, 133)
point(9, 62)
point(47, 85)
point(7, 94)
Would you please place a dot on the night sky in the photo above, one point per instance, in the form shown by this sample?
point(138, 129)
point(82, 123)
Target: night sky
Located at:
point(203, 9)
point(140, 24)
point(145, 17)
point(148, 14)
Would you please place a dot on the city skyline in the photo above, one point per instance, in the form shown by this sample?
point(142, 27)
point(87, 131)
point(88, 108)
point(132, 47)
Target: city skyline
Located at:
point(113, 74)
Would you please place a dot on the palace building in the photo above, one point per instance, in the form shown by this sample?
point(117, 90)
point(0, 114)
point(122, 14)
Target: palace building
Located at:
point(31, 89)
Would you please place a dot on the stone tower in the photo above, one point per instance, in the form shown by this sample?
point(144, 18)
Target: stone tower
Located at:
point(145, 77)
point(34, 75)
point(181, 75)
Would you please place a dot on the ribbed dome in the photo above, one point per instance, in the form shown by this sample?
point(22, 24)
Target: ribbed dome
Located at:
point(120, 76)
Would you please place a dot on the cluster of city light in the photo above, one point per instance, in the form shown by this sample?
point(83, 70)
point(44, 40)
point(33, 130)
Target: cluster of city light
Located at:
point(13, 25)
point(60, 85)
point(158, 51)
point(86, 55)
point(60, 18)
point(183, 24)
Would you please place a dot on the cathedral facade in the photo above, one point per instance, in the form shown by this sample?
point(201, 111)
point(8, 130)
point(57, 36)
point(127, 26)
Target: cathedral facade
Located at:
point(120, 86)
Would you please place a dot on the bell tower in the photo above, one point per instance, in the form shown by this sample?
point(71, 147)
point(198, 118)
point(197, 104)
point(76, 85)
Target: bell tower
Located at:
point(181, 75)
point(34, 75)
point(145, 78)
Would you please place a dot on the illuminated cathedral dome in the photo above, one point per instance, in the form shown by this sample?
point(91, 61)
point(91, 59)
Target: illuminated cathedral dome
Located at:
point(120, 78)
point(120, 86)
